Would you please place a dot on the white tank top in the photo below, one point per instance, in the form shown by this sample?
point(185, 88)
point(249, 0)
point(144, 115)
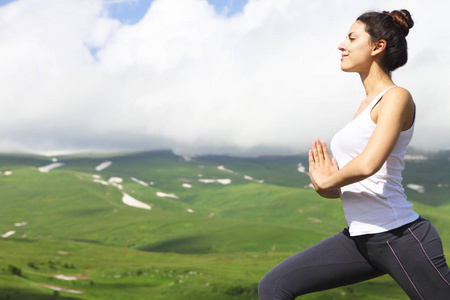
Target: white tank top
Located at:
point(377, 203)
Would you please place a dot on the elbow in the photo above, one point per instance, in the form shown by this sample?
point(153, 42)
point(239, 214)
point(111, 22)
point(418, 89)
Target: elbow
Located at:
point(368, 163)
point(369, 169)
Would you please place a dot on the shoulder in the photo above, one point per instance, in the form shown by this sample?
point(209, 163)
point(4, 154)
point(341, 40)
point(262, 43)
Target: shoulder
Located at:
point(397, 102)
point(398, 93)
point(397, 97)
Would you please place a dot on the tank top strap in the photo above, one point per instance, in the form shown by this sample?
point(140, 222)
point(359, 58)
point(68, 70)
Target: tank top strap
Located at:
point(378, 98)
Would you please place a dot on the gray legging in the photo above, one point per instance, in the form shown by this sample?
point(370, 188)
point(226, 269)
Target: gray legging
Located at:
point(411, 254)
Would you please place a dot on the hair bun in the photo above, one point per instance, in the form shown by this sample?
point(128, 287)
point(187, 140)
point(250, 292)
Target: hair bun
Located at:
point(403, 20)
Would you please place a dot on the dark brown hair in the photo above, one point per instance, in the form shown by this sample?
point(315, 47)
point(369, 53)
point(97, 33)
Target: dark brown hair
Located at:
point(393, 27)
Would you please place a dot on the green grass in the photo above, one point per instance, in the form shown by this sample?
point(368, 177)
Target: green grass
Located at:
point(120, 273)
point(235, 234)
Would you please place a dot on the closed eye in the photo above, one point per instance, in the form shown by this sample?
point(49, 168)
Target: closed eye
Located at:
point(351, 36)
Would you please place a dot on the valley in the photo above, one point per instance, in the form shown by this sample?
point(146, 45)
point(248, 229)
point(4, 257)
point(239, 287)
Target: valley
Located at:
point(156, 225)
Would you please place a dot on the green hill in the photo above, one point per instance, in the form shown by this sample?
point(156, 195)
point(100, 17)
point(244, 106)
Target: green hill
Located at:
point(215, 226)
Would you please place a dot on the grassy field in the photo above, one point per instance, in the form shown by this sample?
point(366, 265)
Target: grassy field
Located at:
point(68, 234)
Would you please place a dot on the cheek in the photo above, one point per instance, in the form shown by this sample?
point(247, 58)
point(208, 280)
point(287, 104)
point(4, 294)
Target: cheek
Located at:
point(360, 54)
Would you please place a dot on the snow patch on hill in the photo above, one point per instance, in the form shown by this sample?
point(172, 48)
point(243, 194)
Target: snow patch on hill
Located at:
point(65, 277)
point(100, 181)
point(246, 177)
point(9, 233)
point(222, 168)
point(130, 201)
point(253, 179)
point(417, 187)
point(103, 165)
point(309, 186)
point(415, 157)
point(126, 199)
point(115, 180)
point(48, 168)
point(301, 168)
point(139, 181)
point(222, 181)
point(164, 195)
point(61, 289)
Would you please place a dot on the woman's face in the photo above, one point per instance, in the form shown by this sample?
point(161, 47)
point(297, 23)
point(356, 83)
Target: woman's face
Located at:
point(356, 49)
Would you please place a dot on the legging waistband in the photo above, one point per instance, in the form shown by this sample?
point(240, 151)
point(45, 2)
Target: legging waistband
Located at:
point(390, 234)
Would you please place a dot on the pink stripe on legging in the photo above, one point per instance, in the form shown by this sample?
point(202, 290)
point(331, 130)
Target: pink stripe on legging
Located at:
point(404, 270)
point(428, 257)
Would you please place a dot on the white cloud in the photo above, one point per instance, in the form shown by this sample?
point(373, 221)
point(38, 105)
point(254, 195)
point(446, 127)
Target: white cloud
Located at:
point(187, 77)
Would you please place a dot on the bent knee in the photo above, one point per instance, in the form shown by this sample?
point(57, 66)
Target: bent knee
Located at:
point(265, 288)
point(271, 288)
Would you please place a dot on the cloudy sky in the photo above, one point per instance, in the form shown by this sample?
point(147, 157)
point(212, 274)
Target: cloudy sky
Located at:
point(200, 76)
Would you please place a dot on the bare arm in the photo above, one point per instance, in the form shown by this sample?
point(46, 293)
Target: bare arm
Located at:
point(395, 108)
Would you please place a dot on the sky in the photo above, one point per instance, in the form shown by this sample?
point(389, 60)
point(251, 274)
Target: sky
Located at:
point(201, 77)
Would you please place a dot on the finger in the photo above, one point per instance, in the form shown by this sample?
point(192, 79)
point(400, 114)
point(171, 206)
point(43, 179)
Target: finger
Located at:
point(311, 158)
point(313, 151)
point(325, 150)
point(320, 156)
point(334, 162)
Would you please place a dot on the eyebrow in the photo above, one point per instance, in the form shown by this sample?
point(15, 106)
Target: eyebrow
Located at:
point(351, 33)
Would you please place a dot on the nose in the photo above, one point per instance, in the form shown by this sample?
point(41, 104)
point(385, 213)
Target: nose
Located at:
point(341, 46)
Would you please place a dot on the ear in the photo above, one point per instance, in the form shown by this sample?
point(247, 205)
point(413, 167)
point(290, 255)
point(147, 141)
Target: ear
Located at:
point(378, 47)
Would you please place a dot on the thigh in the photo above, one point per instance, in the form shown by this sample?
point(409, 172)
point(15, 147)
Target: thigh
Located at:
point(331, 263)
point(417, 262)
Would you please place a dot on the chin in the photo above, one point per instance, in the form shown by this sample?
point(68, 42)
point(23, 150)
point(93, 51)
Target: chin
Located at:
point(347, 69)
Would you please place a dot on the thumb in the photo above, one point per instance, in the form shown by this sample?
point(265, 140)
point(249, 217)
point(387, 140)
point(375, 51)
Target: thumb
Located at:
point(334, 162)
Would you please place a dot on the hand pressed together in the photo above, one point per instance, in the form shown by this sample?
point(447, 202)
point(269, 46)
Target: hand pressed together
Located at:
point(321, 166)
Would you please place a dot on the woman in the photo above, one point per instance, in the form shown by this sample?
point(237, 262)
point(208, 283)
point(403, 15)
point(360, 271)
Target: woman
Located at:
point(385, 236)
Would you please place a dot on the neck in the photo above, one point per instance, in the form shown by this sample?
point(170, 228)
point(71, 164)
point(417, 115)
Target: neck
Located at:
point(375, 80)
